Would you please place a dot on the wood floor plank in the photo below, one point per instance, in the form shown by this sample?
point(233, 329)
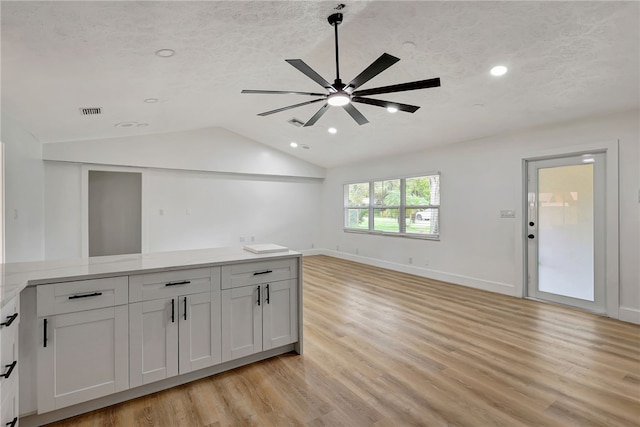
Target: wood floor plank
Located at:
point(384, 348)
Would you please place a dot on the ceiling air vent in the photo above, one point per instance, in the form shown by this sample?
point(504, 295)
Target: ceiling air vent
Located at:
point(91, 111)
point(295, 122)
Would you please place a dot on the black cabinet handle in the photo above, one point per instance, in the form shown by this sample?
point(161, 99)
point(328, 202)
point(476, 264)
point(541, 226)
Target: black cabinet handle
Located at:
point(183, 282)
point(45, 332)
point(257, 273)
point(267, 294)
point(95, 294)
point(173, 310)
point(10, 320)
point(258, 295)
point(185, 308)
point(13, 365)
point(13, 422)
point(531, 236)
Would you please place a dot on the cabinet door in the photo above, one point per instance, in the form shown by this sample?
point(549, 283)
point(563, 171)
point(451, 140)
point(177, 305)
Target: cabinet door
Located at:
point(199, 331)
point(86, 356)
point(153, 336)
point(280, 314)
point(241, 322)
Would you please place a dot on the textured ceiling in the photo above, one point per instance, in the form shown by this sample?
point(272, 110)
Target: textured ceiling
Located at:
point(566, 60)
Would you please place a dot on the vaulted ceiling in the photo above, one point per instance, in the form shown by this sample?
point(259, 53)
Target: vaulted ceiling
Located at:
point(566, 60)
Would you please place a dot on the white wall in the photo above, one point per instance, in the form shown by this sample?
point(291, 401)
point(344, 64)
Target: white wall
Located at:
point(24, 228)
point(191, 210)
point(480, 178)
point(211, 149)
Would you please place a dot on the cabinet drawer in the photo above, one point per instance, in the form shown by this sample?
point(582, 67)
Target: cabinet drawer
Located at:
point(69, 297)
point(8, 315)
point(9, 408)
point(253, 273)
point(146, 287)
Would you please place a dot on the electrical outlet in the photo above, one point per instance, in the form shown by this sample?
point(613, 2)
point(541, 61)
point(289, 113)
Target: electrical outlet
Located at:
point(242, 238)
point(357, 252)
point(410, 260)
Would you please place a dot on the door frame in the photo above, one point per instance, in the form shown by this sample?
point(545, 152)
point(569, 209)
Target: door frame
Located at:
point(612, 236)
point(84, 203)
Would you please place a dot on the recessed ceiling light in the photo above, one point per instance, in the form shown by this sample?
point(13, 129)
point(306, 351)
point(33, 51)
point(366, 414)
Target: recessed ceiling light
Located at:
point(499, 70)
point(306, 147)
point(392, 109)
point(126, 124)
point(143, 125)
point(151, 100)
point(293, 144)
point(165, 53)
point(332, 130)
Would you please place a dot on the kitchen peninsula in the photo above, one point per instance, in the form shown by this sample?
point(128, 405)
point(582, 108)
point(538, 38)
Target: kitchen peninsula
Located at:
point(97, 331)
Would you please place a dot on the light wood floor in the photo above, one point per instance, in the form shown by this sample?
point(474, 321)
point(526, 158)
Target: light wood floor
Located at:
point(389, 349)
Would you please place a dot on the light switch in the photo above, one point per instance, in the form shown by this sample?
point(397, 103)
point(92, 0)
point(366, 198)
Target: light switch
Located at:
point(509, 213)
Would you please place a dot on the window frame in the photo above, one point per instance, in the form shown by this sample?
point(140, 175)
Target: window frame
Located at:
point(402, 209)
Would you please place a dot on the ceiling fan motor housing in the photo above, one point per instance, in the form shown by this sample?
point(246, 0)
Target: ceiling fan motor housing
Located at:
point(335, 19)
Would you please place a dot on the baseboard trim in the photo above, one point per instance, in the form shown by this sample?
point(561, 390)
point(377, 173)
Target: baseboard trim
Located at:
point(630, 315)
point(457, 279)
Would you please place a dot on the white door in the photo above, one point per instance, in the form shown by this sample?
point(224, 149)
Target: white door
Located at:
point(566, 231)
point(153, 335)
point(241, 322)
point(86, 356)
point(280, 314)
point(199, 331)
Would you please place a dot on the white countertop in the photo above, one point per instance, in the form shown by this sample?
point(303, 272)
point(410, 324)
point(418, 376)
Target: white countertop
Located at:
point(14, 277)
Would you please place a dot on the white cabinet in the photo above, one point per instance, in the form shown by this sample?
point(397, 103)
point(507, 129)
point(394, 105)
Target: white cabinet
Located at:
point(175, 334)
point(258, 317)
point(9, 363)
point(83, 349)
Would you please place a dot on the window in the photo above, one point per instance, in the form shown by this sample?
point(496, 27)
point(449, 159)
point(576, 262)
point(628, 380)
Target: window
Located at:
point(408, 207)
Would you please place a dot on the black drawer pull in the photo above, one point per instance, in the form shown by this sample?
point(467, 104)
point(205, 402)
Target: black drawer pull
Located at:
point(10, 320)
point(13, 423)
point(173, 310)
point(268, 294)
point(45, 332)
point(184, 282)
point(13, 365)
point(95, 294)
point(257, 273)
point(258, 295)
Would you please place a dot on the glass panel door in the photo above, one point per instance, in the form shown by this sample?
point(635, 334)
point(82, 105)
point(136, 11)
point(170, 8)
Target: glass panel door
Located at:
point(566, 231)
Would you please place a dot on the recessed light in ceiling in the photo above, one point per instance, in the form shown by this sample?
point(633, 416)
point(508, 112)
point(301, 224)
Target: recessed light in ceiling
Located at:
point(392, 109)
point(151, 100)
point(499, 70)
point(126, 124)
point(165, 53)
point(332, 130)
point(293, 144)
point(305, 147)
point(142, 125)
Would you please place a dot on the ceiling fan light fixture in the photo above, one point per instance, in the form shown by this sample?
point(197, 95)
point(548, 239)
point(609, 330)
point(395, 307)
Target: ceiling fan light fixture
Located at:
point(338, 99)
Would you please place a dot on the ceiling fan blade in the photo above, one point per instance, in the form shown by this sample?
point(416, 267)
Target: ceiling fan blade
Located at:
point(420, 84)
point(379, 65)
point(283, 92)
point(386, 104)
point(309, 72)
point(266, 113)
point(317, 115)
point(357, 115)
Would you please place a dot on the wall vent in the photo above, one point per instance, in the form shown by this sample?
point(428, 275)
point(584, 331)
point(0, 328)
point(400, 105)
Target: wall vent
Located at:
point(295, 122)
point(91, 111)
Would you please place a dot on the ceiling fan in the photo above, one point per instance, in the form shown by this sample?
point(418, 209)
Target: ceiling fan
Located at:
point(341, 95)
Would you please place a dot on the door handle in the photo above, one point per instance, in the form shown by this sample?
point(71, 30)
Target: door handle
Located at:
point(531, 236)
point(258, 295)
point(173, 310)
point(268, 294)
